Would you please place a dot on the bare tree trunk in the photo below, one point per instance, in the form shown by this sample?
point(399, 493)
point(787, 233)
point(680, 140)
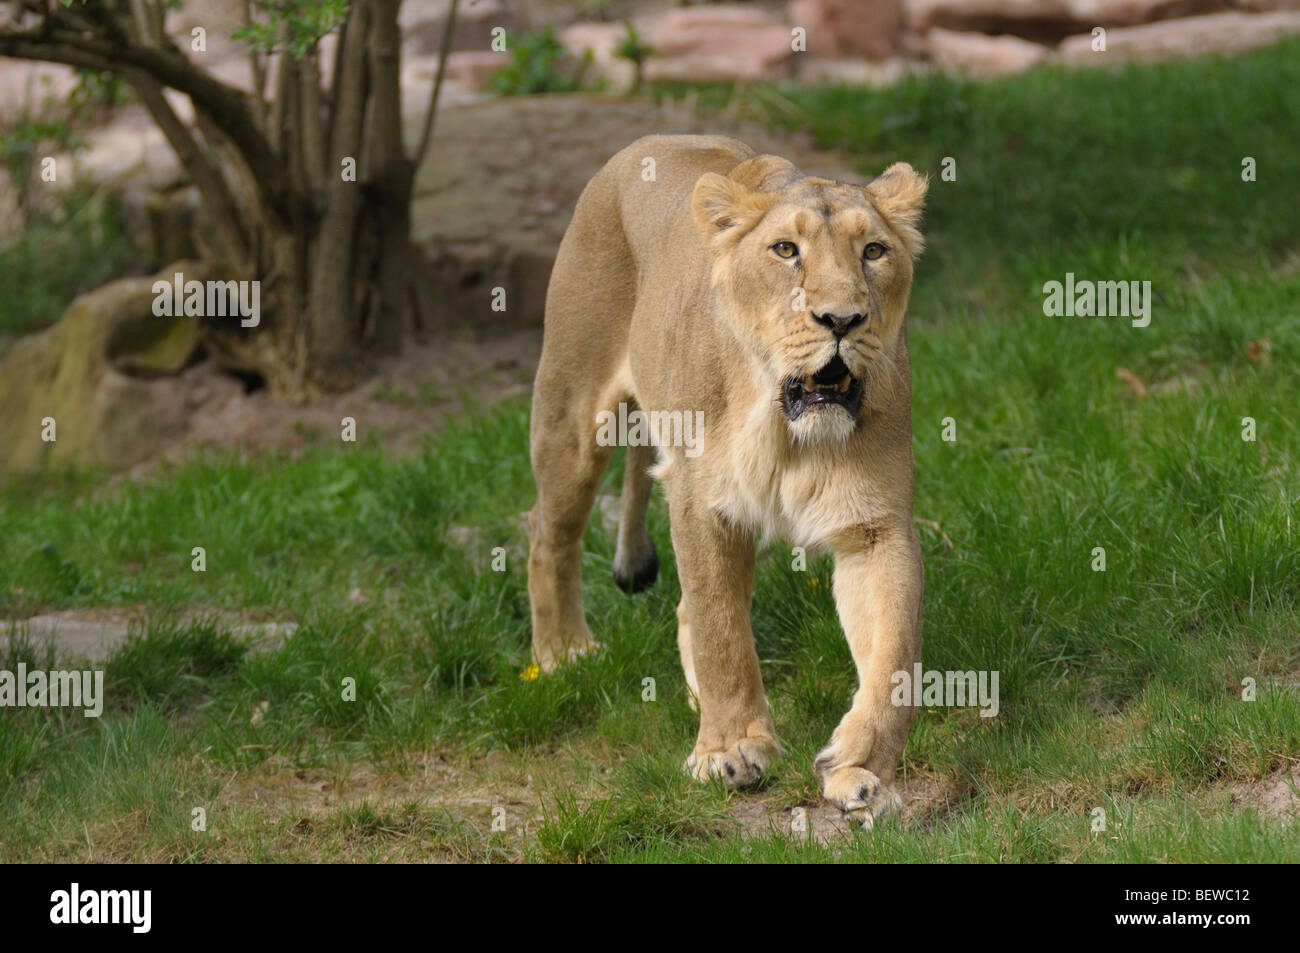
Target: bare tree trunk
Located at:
point(391, 178)
point(331, 343)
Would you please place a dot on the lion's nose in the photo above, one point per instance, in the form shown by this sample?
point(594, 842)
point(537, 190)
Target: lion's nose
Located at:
point(840, 324)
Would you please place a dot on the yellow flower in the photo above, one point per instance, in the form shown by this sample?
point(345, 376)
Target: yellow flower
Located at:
point(530, 674)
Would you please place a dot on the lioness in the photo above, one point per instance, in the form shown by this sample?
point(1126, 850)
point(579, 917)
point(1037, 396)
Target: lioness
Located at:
point(697, 276)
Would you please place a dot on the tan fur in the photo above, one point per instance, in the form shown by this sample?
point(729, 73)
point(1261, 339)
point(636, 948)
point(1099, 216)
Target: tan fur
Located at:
point(667, 295)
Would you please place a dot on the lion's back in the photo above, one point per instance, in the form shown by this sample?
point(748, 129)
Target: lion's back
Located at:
point(642, 195)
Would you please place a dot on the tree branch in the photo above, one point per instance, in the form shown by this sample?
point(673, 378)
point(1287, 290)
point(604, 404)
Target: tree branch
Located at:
point(444, 52)
point(220, 202)
point(227, 106)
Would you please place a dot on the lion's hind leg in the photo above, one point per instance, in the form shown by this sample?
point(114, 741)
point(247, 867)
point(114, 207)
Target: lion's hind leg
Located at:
point(567, 465)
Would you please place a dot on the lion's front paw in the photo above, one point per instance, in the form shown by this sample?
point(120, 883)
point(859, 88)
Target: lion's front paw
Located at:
point(741, 765)
point(549, 661)
point(860, 794)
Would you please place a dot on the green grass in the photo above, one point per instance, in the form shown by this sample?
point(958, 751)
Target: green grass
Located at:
point(53, 262)
point(1120, 690)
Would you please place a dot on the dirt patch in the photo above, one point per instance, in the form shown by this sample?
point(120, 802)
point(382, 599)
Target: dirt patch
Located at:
point(469, 801)
point(93, 634)
point(1276, 797)
point(465, 792)
point(503, 788)
point(821, 823)
point(410, 398)
point(924, 799)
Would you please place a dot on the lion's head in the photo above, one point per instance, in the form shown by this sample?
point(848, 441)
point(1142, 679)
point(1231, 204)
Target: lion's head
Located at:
point(816, 276)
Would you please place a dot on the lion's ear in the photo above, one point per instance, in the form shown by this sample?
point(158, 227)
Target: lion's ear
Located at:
point(725, 208)
point(899, 195)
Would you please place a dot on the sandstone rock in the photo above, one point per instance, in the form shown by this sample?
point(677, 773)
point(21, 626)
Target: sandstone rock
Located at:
point(1226, 33)
point(718, 44)
point(1047, 18)
point(473, 68)
point(712, 68)
point(981, 55)
point(844, 29)
point(600, 40)
point(859, 72)
point(70, 372)
point(68, 637)
point(93, 635)
point(422, 24)
point(143, 345)
point(1265, 6)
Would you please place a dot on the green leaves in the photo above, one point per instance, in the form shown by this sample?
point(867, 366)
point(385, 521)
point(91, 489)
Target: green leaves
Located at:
point(295, 26)
point(539, 63)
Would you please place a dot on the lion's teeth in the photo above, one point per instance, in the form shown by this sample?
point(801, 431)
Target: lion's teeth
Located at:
point(809, 383)
point(847, 382)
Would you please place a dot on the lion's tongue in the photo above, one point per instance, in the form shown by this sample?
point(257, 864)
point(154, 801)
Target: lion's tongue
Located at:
point(840, 382)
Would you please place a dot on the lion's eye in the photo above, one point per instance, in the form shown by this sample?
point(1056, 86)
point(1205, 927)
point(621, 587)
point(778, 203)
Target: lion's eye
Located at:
point(785, 249)
point(873, 251)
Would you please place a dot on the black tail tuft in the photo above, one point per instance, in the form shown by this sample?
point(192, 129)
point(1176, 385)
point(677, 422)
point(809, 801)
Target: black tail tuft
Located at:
point(641, 577)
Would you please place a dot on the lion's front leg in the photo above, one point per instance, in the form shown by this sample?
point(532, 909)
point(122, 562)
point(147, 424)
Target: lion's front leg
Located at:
point(878, 586)
point(715, 563)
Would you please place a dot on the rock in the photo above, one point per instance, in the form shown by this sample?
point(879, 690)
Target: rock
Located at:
point(1266, 6)
point(1046, 19)
point(858, 72)
point(718, 43)
point(982, 55)
point(1223, 33)
point(72, 372)
point(846, 29)
point(422, 24)
point(137, 347)
point(473, 68)
point(93, 635)
point(600, 40)
point(69, 637)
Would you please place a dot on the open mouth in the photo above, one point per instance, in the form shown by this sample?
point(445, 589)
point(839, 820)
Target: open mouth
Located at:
point(832, 386)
